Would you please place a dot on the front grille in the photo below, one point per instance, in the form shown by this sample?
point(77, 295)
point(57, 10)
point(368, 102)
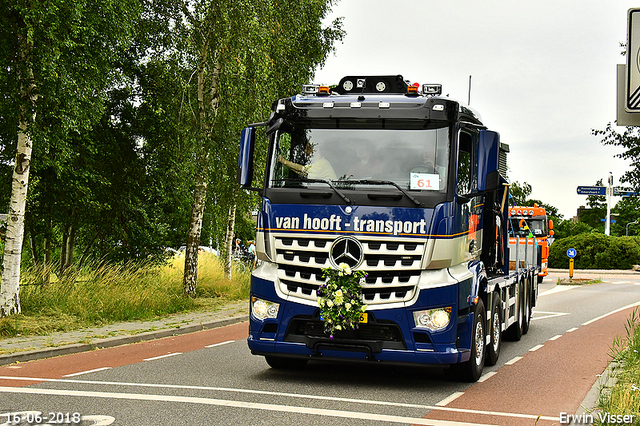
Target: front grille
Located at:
point(301, 329)
point(392, 267)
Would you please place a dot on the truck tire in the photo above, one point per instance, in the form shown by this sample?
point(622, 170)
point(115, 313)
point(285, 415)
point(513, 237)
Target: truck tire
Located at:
point(527, 305)
point(495, 331)
point(514, 332)
point(471, 370)
point(284, 363)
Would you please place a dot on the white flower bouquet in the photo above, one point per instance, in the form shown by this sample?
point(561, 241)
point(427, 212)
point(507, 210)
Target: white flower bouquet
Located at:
point(340, 299)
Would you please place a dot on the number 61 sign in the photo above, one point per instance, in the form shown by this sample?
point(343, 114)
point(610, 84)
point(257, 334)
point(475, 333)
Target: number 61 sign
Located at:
point(425, 181)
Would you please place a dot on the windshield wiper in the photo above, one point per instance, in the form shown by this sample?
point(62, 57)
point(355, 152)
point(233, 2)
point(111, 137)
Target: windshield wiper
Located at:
point(344, 197)
point(386, 182)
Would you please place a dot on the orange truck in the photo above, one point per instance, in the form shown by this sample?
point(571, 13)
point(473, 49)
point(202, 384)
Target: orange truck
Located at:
point(529, 222)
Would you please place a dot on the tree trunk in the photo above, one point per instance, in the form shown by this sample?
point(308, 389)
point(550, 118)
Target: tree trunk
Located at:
point(68, 261)
point(33, 240)
point(190, 279)
point(10, 284)
point(87, 250)
point(231, 224)
point(193, 238)
point(47, 261)
point(63, 252)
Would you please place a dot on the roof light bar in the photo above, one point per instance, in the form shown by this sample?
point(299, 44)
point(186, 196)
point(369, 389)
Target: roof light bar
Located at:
point(412, 90)
point(432, 89)
point(310, 89)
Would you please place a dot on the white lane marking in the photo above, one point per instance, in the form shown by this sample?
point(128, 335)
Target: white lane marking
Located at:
point(220, 389)
point(572, 329)
point(450, 398)
point(556, 337)
point(513, 360)
point(486, 376)
point(250, 391)
point(558, 289)
point(535, 348)
point(547, 315)
point(219, 344)
point(87, 372)
point(633, 305)
point(162, 356)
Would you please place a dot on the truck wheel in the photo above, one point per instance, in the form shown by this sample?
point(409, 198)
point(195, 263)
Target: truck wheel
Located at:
point(471, 370)
point(495, 331)
point(514, 332)
point(527, 306)
point(284, 363)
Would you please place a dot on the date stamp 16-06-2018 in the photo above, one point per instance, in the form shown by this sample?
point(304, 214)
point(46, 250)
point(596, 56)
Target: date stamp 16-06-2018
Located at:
point(52, 418)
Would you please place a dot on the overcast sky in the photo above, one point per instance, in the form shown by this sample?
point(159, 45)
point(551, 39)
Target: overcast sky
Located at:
point(543, 75)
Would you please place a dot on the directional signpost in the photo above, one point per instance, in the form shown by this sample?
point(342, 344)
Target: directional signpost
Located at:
point(602, 190)
point(571, 253)
point(592, 190)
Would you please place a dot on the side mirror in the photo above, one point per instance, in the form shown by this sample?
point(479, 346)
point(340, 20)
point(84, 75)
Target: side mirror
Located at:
point(245, 157)
point(488, 171)
point(550, 225)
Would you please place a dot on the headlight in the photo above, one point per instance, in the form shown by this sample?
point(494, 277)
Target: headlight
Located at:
point(262, 309)
point(433, 319)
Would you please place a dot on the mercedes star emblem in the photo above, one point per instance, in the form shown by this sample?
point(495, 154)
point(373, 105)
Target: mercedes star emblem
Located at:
point(347, 250)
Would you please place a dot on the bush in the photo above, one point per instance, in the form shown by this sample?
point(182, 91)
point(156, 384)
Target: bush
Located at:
point(596, 251)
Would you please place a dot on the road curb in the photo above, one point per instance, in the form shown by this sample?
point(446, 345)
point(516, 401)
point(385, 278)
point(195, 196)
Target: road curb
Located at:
point(117, 341)
point(590, 402)
point(596, 271)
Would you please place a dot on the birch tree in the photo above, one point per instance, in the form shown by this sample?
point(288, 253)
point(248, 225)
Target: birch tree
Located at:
point(56, 61)
point(245, 52)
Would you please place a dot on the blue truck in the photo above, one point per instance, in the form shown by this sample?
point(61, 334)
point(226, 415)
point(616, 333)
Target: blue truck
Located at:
point(393, 179)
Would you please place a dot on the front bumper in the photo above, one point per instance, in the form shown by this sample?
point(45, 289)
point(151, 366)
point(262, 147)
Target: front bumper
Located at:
point(390, 334)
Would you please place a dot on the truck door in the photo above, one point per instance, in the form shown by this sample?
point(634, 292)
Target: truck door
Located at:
point(467, 186)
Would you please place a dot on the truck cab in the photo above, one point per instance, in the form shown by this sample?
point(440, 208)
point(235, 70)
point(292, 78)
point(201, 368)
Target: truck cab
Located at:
point(391, 178)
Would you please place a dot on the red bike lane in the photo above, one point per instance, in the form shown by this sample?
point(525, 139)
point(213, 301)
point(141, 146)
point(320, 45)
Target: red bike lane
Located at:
point(69, 365)
point(546, 382)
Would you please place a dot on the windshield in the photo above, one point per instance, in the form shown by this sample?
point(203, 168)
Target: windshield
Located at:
point(415, 160)
point(537, 226)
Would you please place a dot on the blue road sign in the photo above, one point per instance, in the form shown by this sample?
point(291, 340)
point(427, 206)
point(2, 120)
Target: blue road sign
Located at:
point(623, 193)
point(592, 190)
point(571, 253)
point(604, 220)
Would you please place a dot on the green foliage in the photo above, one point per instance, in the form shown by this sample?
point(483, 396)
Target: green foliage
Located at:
point(629, 141)
point(519, 194)
point(120, 133)
point(569, 228)
point(596, 251)
point(623, 398)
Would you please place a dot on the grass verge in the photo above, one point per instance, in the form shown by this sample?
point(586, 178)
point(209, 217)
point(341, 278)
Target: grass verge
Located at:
point(623, 397)
point(99, 295)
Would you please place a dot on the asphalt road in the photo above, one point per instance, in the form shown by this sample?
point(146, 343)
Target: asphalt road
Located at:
point(210, 378)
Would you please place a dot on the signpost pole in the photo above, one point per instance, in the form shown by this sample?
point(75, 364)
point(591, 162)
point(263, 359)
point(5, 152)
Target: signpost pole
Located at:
point(607, 224)
point(571, 269)
point(571, 253)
